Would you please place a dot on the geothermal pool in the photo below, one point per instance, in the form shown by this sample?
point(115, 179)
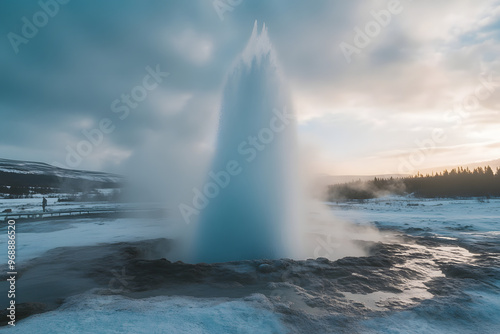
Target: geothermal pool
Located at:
point(435, 269)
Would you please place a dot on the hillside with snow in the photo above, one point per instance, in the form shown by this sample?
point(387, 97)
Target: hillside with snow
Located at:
point(16, 173)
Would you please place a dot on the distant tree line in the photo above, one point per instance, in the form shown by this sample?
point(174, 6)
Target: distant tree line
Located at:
point(459, 182)
point(24, 191)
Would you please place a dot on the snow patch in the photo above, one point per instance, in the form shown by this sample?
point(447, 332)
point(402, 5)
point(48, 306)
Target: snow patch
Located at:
point(91, 313)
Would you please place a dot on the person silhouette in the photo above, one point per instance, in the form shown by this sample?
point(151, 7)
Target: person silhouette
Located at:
point(44, 203)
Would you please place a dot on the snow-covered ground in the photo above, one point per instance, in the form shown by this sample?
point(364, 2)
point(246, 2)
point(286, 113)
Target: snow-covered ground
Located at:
point(470, 227)
point(28, 205)
point(115, 314)
point(467, 220)
point(33, 239)
point(439, 273)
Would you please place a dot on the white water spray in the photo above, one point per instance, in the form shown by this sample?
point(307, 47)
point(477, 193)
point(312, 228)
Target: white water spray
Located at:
point(252, 209)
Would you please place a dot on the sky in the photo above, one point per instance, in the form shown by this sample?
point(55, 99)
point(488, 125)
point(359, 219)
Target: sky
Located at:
point(378, 86)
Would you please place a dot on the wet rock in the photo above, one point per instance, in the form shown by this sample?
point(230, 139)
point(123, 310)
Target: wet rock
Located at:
point(280, 264)
point(265, 268)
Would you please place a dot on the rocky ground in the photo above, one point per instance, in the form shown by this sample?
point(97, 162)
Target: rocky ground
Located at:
point(313, 294)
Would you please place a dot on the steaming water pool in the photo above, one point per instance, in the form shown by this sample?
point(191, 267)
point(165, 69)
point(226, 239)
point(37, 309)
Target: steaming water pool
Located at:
point(439, 272)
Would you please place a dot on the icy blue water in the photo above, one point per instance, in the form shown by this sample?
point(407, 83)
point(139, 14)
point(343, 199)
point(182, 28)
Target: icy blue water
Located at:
point(479, 314)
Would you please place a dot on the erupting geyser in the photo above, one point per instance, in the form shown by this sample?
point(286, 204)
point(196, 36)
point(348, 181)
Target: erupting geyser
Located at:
point(254, 213)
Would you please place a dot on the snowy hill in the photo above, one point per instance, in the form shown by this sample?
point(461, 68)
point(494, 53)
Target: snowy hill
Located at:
point(37, 174)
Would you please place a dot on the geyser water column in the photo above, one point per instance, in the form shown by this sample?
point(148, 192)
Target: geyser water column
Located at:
point(254, 213)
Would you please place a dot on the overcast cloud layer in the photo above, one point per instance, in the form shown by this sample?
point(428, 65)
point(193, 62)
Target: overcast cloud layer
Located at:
point(361, 116)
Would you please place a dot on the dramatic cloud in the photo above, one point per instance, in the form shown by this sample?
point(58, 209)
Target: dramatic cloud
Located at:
point(364, 116)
